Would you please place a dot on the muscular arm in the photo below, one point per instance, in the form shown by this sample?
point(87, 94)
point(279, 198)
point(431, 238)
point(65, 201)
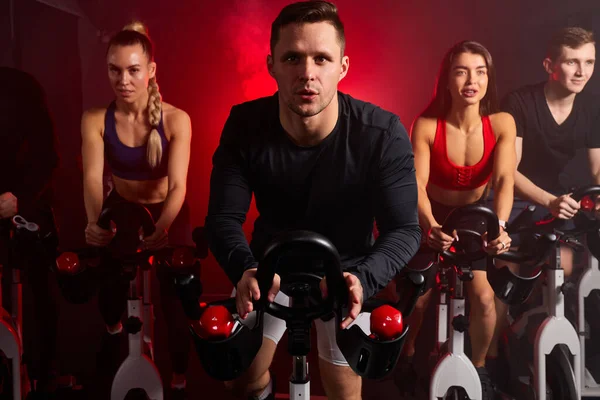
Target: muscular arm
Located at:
point(421, 142)
point(179, 158)
point(395, 214)
point(505, 165)
point(594, 159)
point(92, 153)
point(229, 200)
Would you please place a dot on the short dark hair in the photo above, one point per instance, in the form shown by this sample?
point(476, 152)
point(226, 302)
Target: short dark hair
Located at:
point(442, 100)
point(308, 12)
point(573, 37)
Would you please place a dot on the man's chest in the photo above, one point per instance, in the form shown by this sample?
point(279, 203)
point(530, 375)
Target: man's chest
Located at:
point(325, 176)
point(544, 133)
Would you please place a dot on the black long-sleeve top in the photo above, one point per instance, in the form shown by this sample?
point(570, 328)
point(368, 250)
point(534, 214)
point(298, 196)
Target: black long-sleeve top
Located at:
point(361, 172)
point(28, 154)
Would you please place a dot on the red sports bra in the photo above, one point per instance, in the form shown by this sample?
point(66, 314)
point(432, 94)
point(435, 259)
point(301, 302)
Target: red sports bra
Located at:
point(447, 175)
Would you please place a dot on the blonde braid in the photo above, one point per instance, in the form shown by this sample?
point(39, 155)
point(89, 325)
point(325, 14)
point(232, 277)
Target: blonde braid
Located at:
point(154, 145)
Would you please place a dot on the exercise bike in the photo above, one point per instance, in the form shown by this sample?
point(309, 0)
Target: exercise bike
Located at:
point(301, 259)
point(79, 269)
point(19, 241)
point(550, 373)
point(588, 282)
point(454, 376)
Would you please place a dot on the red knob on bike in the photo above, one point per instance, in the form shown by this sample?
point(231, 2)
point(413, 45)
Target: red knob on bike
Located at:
point(587, 203)
point(216, 323)
point(182, 257)
point(68, 263)
point(386, 323)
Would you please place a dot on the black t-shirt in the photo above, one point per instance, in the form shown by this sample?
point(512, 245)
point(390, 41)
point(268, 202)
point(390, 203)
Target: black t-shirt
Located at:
point(362, 171)
point(547, 146)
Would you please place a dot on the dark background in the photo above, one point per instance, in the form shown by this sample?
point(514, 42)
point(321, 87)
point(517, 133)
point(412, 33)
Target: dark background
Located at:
point(211, 55)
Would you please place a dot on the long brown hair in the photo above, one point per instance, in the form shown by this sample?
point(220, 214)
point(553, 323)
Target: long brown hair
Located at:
point(133, 34)
point(442, 101)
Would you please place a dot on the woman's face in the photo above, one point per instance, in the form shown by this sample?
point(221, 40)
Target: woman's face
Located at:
point(468, 79)
point(129, 71)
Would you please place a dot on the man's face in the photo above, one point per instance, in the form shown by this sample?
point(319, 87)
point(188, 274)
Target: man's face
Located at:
point(307, 64)
point(573, 67)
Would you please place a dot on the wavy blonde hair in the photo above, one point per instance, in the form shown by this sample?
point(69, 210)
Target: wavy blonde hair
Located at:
point(132, 34)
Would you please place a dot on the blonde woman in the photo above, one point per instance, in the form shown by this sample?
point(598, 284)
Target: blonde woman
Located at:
point(146, 144)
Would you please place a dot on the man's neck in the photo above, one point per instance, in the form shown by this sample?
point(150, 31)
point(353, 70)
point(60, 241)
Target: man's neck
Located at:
point(560, 101)
point(557, 96)
point(309, 131)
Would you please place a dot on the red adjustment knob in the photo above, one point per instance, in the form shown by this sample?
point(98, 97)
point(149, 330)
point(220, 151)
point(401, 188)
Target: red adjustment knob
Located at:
point(182, 257)
point(68, 264)
point(386, 323)
point(216, 323)
point(587, 203)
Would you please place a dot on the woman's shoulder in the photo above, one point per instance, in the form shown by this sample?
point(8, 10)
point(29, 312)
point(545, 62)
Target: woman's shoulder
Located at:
point(94, 113)
point(175, 119)
point(424, 127)
point(426, 122)
point(173, 113)
point(503, 123)
point(92, 120)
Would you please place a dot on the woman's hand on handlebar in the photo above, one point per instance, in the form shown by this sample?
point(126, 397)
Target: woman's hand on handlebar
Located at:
point(355, 297)
point(564, 207)
point(596, 206)
point(499, 245)
point(438, 240)
point(96, 236)
point(247, 290)
point(158, 240)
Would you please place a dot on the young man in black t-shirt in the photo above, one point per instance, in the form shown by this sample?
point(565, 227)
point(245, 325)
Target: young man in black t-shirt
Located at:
point(319, 160)
point(554, 119)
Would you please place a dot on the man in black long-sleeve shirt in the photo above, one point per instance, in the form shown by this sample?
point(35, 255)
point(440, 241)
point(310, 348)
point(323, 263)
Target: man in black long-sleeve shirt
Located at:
point(27, 161)
point(318, 160)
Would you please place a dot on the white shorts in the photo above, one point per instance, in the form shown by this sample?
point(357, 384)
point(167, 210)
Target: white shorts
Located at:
point(274, 328)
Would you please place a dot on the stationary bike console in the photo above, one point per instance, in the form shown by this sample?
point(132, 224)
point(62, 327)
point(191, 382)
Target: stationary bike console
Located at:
point(78, 270)
point(301, 258)
point(465, 253)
